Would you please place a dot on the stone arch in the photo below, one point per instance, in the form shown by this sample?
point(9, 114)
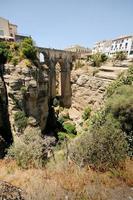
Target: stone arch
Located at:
point(41, 57)
point(59, 66)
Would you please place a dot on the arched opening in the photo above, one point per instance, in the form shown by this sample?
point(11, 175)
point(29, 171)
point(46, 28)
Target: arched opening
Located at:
point(41, 58)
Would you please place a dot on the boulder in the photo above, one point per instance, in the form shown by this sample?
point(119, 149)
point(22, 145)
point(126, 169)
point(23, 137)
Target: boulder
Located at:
point(10, 192)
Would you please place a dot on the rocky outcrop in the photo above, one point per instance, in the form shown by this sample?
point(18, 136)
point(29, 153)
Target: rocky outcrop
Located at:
point(10, 192)
point(27, 90)
point(87, 90)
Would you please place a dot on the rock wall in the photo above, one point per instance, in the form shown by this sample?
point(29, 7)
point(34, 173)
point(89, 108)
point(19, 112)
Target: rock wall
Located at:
point(87, 90)
point(27, 91)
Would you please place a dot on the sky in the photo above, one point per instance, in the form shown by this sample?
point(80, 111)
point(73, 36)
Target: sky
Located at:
point(62, 23)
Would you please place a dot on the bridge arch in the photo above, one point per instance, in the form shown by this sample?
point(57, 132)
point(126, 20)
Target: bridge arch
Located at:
point(59, 65)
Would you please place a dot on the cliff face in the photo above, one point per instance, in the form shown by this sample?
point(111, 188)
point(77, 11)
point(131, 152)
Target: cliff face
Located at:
point(87, 90)
point(27, 92)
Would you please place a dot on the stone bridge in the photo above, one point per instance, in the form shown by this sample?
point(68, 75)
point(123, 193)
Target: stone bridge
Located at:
point(59, 65)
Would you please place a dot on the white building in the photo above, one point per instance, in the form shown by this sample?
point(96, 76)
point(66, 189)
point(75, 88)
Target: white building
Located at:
point(7, 30)
point(122, 43)
point(102, 46)
point(110, 47)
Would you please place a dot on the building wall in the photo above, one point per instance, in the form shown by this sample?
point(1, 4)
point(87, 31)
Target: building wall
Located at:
point(7, 29)
point(78, 49)
point(121, 44)
point(110, 47)
point(4, 27)
point(12, 30)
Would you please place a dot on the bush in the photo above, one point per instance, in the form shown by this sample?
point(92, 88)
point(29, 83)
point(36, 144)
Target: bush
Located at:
point(102, 148)
point(27, 63)
point(29, 149)
point(4, 52)
point(28, 49)
point(69, 128)
point(121, 55)
point(120, 105)
point(124, 79)
point(97, 59)
point(86, 113)
point(15, 60)
point(78, 64)
point(61, 135)
point(20, 120)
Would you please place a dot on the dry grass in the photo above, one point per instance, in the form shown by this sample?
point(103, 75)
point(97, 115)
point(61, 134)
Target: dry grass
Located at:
point(67, 181)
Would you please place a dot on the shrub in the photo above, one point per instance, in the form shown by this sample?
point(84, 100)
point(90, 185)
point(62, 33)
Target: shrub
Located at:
point(20, 120)
point(69, 128)
point(4, 52)
point(120, 105)
point(27, 63)
point(29, 149)
point(121, 55)
point(61, 135)
point(28, 49)
point(104, 57)
point(97, 59)
point(102, 148)
point(63, 117)
point(15, 60)
point(86, 113)
point(78, 64)
point(124, 79)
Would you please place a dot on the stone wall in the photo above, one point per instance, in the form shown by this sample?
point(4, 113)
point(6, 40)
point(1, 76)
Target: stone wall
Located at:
point(27, 91)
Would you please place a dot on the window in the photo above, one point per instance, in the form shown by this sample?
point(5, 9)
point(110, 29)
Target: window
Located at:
point(1, 32)
point(126, 45)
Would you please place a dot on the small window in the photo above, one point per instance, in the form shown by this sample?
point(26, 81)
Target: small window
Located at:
point(120, 46)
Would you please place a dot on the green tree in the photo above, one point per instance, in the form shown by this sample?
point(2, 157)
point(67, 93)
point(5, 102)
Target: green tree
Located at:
point(97, 59)
point(4, 52)
point(28, 49)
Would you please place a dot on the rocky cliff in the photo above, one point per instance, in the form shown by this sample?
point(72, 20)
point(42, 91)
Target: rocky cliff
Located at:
point(88, 89)
point(24, 89)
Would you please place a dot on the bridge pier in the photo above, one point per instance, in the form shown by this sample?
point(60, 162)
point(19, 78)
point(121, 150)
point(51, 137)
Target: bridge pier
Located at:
point(52, 79)
point(66, 92)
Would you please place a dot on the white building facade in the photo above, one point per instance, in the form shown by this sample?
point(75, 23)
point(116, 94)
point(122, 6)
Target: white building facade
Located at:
point(110, 47)
point(123, 43)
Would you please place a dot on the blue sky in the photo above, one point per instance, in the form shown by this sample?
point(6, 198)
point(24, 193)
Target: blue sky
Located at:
point(61, 23)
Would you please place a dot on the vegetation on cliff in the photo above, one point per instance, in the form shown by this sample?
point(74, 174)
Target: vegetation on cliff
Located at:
point(14, 53)
point(109, 137)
